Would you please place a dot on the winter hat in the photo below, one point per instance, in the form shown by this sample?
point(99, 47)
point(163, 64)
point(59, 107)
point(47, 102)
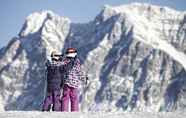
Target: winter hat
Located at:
point(71, 52)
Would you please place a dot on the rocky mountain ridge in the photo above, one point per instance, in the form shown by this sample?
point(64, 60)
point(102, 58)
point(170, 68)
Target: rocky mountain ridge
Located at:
point(134, 55)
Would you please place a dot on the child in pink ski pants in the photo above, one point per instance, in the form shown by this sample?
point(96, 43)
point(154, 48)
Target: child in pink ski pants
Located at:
point(71, 81)
point(70, 94)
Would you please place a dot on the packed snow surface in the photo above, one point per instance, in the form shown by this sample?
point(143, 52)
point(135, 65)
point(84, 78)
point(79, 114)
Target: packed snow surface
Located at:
point(35, 114)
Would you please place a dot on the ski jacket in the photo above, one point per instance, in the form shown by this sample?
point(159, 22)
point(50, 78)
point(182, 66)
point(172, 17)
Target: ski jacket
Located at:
point(54, 76)
point(72, 72)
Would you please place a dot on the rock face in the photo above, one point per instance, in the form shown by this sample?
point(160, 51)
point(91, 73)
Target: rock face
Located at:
point(134, 55)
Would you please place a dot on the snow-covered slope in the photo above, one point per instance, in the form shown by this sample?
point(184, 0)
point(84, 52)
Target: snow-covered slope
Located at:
point(35, 114)
point(134, 55)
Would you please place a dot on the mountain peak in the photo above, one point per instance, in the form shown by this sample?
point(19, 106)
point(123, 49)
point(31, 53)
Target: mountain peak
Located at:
point(140, 11)
point(141, 7)
point(35, 21)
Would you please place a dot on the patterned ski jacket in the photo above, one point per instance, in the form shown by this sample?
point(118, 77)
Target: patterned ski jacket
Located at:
point(72, 72)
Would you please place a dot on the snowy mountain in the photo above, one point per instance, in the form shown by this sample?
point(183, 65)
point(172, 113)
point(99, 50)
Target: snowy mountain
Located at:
point(134, 55)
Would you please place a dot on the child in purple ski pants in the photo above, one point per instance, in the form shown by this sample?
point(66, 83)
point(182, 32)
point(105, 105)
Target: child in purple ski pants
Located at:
point(53, 98)
point(70, 94)
point(54, 82)
point(72, 81)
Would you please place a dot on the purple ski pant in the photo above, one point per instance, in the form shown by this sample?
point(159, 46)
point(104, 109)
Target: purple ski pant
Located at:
point(70, 94)
point(53, 98)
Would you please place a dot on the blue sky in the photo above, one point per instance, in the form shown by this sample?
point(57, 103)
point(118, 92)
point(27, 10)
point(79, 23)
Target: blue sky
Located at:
point(14, 12)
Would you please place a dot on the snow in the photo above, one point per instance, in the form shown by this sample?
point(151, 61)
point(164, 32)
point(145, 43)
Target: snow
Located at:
point(159, 44)
point(142, 27)
point(175, 54)
point(34, 22)
point(37, 114)
point(138, 7)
